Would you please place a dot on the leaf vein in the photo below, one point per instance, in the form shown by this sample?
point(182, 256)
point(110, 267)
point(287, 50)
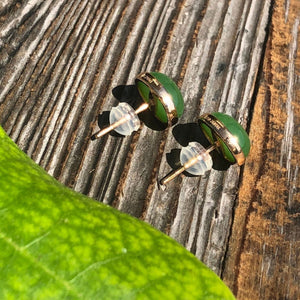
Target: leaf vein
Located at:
point(95, 265)
point(33, 260)
point(36, 240)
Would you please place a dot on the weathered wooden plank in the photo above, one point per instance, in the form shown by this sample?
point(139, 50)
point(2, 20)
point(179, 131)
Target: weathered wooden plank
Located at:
point(263, 254)
point(148, 141)
point(64, 62)
point(104, 184)
point(211, 226)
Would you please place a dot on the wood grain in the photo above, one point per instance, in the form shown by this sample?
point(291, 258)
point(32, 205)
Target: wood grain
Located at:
point(64, 64)
point(263, 255)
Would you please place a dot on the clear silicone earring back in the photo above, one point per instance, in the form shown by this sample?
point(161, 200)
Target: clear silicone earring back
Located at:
point(204, 161)
point(121, 111)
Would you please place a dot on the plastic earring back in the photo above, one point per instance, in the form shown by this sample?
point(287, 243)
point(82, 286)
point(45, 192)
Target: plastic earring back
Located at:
point(159, 94)
point(225, 134)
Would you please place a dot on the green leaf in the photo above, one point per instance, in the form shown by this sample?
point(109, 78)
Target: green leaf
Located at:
point(58, 244)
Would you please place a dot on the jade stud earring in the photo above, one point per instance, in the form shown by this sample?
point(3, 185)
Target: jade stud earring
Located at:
point(225, 134)
point(159, 94)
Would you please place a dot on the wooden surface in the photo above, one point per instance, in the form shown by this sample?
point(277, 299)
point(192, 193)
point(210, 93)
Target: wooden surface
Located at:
point(64, 64)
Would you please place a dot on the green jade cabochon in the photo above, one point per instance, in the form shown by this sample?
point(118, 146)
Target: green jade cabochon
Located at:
point(234, 128)
point(170, 86)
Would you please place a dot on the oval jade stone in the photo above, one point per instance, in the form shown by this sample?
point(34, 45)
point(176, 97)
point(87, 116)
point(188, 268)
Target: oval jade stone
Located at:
point(235, 129)
point(173, 90)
